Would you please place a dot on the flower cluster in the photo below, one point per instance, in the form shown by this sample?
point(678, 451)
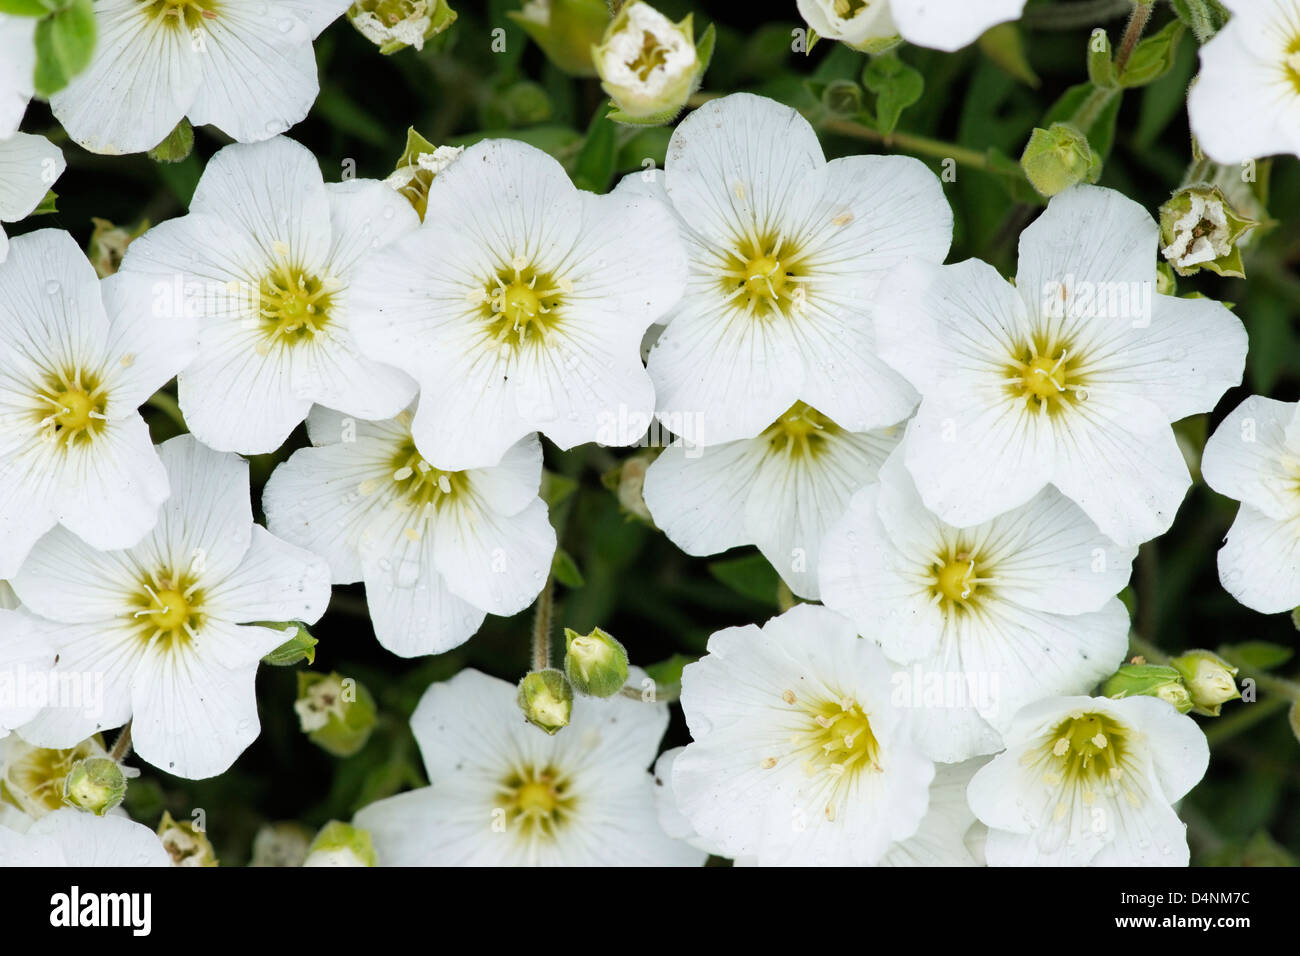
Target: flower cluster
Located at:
point(950, 471)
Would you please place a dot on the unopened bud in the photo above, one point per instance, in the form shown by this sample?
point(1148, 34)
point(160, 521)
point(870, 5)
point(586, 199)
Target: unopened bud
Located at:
point(595, 663)
point(336, 713)
point(1057, 158)
point(546, 699)
point(1209, 679)
point(96, 784)
point(649, 65)
point(341, 844)
point(1149, 680)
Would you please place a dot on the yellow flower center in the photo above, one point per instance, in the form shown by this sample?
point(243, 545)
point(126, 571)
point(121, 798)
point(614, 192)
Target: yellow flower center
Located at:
point(71, 408)
point(801, 431)
point(168, 609)
point(1085, 755)
point(766, 275)
point(848, 9)
point(651, 56)
point(294, 305)
point(1291, 63)
point(957, 575)
point(538, 800)
point(177, 14)
point(422, 485)
point(1048, 376)
point(520, 303)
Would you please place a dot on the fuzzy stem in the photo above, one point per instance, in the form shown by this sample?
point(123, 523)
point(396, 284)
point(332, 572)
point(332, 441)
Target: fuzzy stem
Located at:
point(542, 627)
point(121, 746)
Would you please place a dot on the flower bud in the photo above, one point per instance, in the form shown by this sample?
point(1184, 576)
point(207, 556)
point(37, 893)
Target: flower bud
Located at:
point(186, 843)
point(341, 844)
point(108, 245)
point(95, 784)
point(867, 27)
point(1209, 679)
point(1199, 229)
point(419, 164)
point(546, 699)
point(649, 65)
point(627, 481)
point(281, 844)
point(394, 25)
point(565, 30)
point(1057, 158)
point(33, 777)
point(336, 713)
point(595, 663)
point(1149, 680)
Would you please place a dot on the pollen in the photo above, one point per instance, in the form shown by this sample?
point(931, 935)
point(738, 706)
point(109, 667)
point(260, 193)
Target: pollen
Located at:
point(168, 608)
point(1086, 753)
point(521, 305)
point(802, 432)
point(294, 304)
point(538, 800)
point(70, 408)
point(1048, 376)
point(765, 276)
point(958, 576)
point(187, 15)
point(421, 485)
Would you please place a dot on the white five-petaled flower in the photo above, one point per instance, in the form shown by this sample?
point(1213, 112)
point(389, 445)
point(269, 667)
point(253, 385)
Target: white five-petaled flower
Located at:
point(79, 357)
point(782, 490)
point(874, 25)
point(1254, 457)
point(948, 834)
point(244, 66)
point(17, 70)
point(436, 549)
point(503, 793)
point(25, 663)
point(72, 838)
point(1246, 103)
point(786, 251)
point(169, 626)
point(981, 620)
point(519, 305)
point(265, 259)
point(29, 165)
point(1090, 781)
point(798, 755)
point(1070, 377)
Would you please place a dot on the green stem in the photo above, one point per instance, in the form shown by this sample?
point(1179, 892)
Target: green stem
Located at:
point(542, 627)
point(1071, 16)
point(121, 746)
point(1243, 718)
point(1137, 22)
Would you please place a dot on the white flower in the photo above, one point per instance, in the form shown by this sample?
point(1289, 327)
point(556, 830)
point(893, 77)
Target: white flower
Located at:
point(1193, 243)
point(798, 755)
point(29, 166)
point(436, 549)
point(519, 305)
point(945, 836)
point(71, 838)
point(407, 23)
point(432, 163)
point(876, 24)
point(982, 620)
point(503, 792)
point(786, 251)
point(1089, 781)
point(1071, 377)
point(17, 70)
point(647, 63)
point(25, 662)
point(1254, 457)
point(244, 66)
point(80, 357)
point(265, 257)
point(1246, 103)
point(782, 490)
point(166, 626)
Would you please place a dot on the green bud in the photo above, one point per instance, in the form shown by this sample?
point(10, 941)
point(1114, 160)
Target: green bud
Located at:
point(108, 245)
point(649, 65)
point(186, 843)
point(546, 699)
point(300, 646)
point(336, 713)
point(595, 663)
point(95, 784)
point(522, 103)
point(1199, 229)
point(177, 146)
point(33, 777)
point(1149, 680)
point(565, 30)
point(281, 844)
point(1209, 679)
point(842, 98)
point(341, 844)
point(419, 163)
point(394, 25)
point(1057, 158)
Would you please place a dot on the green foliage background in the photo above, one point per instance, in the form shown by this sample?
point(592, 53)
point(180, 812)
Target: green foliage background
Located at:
point(634, 583)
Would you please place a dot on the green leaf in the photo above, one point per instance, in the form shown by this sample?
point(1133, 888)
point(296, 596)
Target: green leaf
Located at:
point(565, 570)
point(595, 164)
point(64, 44)
point(1257, 655)
point(750, 576)
point(896, 85)
point(26, 8)
point(1101, 63)
point(1004, 44)
point(48, 205)
point(1204, 17)
point(300, 646)
point(1153, 57)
